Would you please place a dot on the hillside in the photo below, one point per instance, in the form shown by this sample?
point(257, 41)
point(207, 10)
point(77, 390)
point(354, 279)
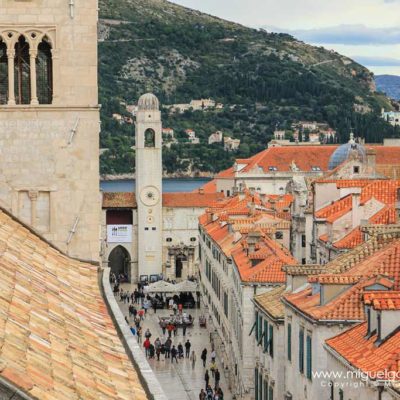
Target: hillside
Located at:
point(389, 84)
point(263, 79)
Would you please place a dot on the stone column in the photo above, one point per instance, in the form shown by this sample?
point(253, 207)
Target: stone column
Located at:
point(55, 77)
point(11, 90)
point(32, 58)
point(33, 195)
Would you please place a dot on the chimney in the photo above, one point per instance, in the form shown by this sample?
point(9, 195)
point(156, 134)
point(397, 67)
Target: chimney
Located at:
point(371, 161)
point(252, 239)
point(355, 208)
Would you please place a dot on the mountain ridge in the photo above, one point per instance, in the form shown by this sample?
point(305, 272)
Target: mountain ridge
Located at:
point(264, 80)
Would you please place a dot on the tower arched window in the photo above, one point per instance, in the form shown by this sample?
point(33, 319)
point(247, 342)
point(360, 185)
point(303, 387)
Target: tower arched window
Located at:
point(3, 73)
point(22, 72)
point(44, 73)
point(149, 138)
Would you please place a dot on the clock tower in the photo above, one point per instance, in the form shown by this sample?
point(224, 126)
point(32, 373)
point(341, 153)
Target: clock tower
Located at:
point(149, 185)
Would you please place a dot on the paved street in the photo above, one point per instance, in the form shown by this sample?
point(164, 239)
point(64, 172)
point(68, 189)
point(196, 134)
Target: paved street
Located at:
point(180, 381)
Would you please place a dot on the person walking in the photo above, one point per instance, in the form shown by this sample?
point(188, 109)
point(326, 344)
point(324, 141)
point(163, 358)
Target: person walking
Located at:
point(217, 377)
point(147, 334)
point(213, 367)
point(168, 344)
point(204, 357)
point(209, 392)
point(133, 330)
point(163, 326)
point(146, 346)
point(175, 329)
point(139, 334)
point(213, 355)
point(193, 359)
point(174, 353)
point(184, 326)
point(180, 350)
point(170, 328)
point(187, 348)
point(207, 379)
point(202, 395)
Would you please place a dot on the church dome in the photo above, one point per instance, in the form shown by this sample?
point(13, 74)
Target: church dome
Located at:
point(345, 151)
point(148, 102)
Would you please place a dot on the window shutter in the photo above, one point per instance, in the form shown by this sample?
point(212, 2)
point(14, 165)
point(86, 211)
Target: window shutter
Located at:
point(301, 350)
point(289, 342)
point(271, 340)
point(265, 335)
point(309, 358)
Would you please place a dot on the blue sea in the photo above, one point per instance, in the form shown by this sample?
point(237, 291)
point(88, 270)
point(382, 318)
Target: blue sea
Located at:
point(169, 185)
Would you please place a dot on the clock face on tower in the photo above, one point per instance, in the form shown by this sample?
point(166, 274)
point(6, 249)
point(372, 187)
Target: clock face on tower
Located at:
point(150, 196)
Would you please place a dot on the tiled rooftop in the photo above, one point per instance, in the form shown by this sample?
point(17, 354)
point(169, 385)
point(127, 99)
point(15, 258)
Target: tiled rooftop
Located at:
point(383, 300)
point(57, 340)
point(363, 354)
point(271, 302)
point(374, 258)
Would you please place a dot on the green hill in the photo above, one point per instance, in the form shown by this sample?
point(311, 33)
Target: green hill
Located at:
point(263, 79)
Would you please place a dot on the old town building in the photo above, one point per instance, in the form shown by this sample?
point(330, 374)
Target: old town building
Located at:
point(49, 120)
point(242, 250)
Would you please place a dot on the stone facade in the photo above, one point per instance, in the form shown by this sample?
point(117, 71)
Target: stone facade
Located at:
point(49, 157)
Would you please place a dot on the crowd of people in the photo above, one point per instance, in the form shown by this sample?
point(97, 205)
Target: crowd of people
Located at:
point(163, 347)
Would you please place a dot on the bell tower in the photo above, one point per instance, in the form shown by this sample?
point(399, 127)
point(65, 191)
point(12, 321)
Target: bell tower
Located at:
point(149, 185)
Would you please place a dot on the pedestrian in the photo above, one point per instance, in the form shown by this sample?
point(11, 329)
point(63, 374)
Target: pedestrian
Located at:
point(180, 308)
point(184, 326)
point(170, 328)
point(152, 350)
point(213, 367)
point(158, 352)
point(146, 345)
point(213, 355)
point(204, 357)
point(180, 350)
point(139, 334)
point(174, 353)
point(202, 395)
point(193, 359)
point(155, 306)
point(133, 330)
point(207, 378)
point(147, 334)
point(175, 329)
point(163, 326)
point(217, 377)
point(209, 393)
point(126, 320)
point(220, 394)
point(175, 308)
point(168, 343)
point(187, 348)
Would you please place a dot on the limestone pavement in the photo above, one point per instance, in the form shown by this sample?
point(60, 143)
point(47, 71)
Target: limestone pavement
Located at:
point(180, 381)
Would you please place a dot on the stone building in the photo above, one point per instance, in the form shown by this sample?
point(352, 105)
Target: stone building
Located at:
point(49, 120)
point(242, 251)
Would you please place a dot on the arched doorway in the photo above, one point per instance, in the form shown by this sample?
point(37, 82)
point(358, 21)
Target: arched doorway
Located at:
point(119, 261)
point(179, 260)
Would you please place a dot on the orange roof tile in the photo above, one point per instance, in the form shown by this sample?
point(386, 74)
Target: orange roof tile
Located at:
point(57, 339)
point(185, 199)
point(271, 302)
point(209, 187)
point(334, 279)
point(336, 209)
point(363, 354)
point(383, 300)
point(351, 240)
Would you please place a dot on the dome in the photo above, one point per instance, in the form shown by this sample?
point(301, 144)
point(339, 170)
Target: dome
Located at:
point(345, 151)
point(148, 102)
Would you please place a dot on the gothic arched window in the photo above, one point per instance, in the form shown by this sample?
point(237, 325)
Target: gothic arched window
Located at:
point(149, 138)
point(44, 73)
point(22, 72)
point(3, 73)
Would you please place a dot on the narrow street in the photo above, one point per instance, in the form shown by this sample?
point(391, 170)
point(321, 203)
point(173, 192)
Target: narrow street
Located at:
point(180, 381)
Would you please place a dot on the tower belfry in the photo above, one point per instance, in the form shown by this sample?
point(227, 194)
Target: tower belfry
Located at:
point(149, 185)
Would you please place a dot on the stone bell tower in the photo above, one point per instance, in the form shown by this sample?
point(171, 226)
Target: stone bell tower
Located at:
point(49, 120)
point(149, 185)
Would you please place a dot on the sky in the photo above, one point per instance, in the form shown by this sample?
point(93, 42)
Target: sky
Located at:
point(365, 30)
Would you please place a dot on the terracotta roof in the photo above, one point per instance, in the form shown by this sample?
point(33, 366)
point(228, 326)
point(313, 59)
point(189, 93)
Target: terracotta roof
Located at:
point(185, 199)
point(304, 269)
point(383, 300)
point(383, 190)
point(335, 279)
point(363, 354)
point(57, 340)
point(209, 187)
point(336, 209)
point(377, 257)
point(119, 200)
point(271, 302)
point(351, 240)
point(269, 269)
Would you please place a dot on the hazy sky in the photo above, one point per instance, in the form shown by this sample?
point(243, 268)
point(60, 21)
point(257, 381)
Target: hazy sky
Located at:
point(367, 30)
